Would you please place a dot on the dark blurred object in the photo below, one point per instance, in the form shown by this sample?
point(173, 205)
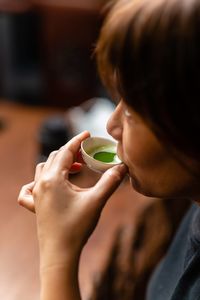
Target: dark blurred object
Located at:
point(68, 34)
point(52, 135)
point(20, 71)
point(57, 38)
point(2, 124)
point(136, 251)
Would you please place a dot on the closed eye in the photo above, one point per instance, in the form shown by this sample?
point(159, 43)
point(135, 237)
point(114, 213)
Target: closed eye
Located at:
point(127, 113)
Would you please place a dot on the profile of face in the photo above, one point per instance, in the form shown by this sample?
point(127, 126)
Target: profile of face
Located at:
point(153, 170)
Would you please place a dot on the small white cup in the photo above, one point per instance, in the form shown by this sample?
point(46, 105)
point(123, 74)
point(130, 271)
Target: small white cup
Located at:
point(88, 147)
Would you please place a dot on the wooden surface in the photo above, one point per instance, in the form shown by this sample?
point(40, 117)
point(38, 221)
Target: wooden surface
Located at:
point(19, 262)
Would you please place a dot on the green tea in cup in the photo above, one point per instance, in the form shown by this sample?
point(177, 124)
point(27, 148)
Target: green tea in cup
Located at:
point(105, 154)
point(99, 153)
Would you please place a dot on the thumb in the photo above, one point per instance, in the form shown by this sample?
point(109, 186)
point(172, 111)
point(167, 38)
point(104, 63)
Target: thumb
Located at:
point(108, 183)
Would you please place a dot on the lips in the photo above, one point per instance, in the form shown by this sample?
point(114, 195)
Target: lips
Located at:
point(120, 155)
point(119, 152)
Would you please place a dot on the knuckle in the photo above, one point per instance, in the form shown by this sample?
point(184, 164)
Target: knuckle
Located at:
point(114, 174)
point(62, 148)
point(40, 165)
point(53, 153)
point(19, 200)
point(36, 190)
point(45, 183)
point(20, 196)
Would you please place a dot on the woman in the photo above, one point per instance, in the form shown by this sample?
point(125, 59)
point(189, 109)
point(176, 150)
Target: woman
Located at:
point(148, 56)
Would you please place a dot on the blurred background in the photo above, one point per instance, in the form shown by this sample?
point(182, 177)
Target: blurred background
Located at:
point(46, 50)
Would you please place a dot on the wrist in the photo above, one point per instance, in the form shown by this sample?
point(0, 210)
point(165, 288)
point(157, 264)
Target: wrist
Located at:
point(54, 255)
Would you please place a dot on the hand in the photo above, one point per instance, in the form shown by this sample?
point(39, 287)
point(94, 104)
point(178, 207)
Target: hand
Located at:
point(66, 214)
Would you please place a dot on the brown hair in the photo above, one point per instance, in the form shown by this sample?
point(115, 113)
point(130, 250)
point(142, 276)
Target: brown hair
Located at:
point(149, 53)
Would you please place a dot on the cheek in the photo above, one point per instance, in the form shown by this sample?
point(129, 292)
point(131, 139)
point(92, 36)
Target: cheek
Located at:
point(142, 153)
point(146, 161)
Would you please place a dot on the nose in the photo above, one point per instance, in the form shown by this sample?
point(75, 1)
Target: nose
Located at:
point(114, 125)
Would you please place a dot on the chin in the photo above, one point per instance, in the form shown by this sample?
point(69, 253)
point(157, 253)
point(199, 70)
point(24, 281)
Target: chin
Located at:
point(136, 185)
point(139, 188)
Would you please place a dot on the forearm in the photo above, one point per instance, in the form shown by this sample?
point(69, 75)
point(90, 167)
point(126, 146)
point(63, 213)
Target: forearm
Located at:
point(59, 284)
point(59, 280)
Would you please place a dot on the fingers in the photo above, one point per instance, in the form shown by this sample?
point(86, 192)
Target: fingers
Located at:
point(75, 168)
point(79, 158)
point(108, 183)
point(25, 198)
point(65, 157)
point(38, 171)
point(50, 160)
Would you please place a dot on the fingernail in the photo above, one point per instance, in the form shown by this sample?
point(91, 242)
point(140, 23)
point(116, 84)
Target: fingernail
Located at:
point(79, 157)
point(122, 168)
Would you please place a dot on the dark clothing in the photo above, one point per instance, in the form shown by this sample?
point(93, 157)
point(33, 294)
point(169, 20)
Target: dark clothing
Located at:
point(178, 275)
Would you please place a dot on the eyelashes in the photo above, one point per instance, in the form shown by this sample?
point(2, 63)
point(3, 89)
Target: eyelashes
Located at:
point(127, 113)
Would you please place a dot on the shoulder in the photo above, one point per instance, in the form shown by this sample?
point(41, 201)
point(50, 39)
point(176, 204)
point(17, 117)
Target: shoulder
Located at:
point(173, 275)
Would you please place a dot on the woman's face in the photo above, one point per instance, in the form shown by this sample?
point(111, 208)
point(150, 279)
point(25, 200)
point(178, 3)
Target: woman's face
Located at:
point(153, 170)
